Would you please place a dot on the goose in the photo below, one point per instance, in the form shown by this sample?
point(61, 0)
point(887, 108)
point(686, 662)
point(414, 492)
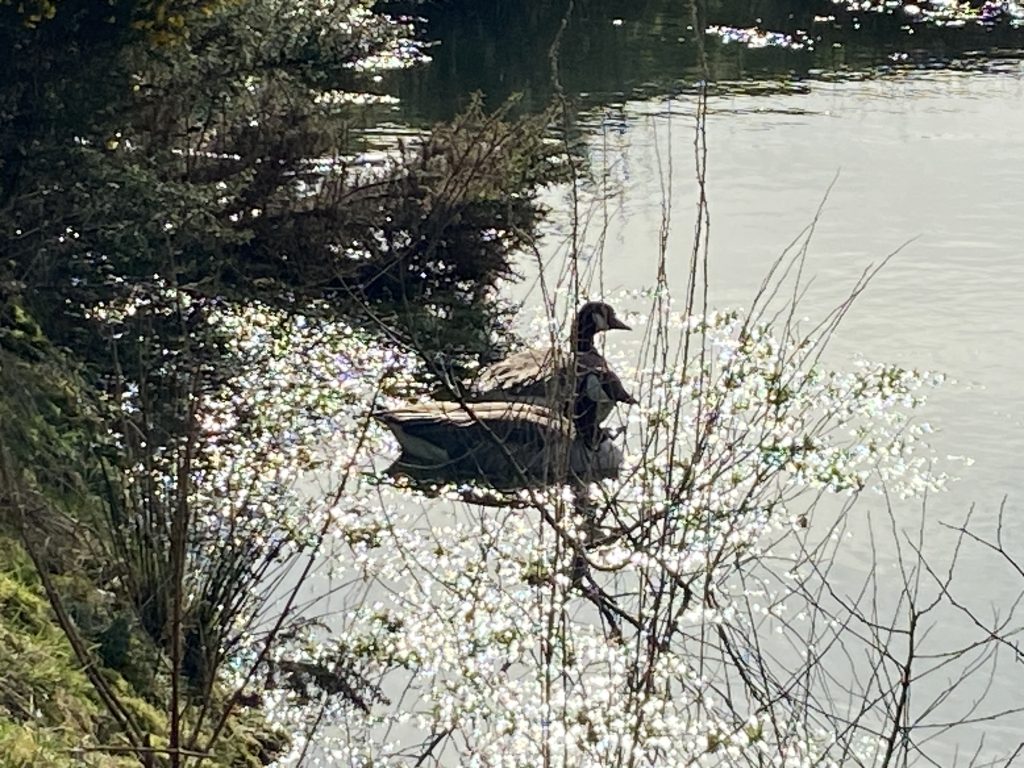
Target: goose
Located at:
point(546, 377)
point(501, 442)
point(541, 375)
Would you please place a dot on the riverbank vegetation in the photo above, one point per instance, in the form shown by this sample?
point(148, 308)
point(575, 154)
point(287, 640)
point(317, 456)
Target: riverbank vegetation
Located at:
point(179, 191)
point(207, 285)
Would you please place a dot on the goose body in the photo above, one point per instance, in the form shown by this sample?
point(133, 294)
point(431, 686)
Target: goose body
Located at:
point(504, 443)
point(533, 417)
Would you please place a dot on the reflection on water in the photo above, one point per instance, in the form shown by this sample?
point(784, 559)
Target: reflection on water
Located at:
point(611, 49)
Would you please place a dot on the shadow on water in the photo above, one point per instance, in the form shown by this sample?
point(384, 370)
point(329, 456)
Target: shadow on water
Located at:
point(612, 50)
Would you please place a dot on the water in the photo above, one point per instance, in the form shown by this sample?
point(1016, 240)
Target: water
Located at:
point(613, 50)
point(918, 124)
point(923, 160)
point(919, 162)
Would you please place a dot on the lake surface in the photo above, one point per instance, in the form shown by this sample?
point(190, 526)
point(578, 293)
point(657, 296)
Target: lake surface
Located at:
point(923, 148)
point(917, 125)
point(922, 161)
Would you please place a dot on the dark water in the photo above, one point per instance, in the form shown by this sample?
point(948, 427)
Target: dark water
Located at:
point(610, 49)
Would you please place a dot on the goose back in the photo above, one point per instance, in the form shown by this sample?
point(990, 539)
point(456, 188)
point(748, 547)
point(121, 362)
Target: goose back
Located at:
point(539, 376)
point(546, 377)
point(549, 376)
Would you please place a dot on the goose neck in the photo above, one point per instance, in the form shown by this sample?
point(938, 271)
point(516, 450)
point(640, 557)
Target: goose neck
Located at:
point(584, 341)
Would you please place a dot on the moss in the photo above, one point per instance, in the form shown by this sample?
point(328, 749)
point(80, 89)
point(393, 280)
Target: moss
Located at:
point(250, 743)
point(110, 626)
point(150, 719)
point(19, 607)
point(49, 709)
point(25, 745)
point(36, 665)
point(46, 702)
point(48, 706)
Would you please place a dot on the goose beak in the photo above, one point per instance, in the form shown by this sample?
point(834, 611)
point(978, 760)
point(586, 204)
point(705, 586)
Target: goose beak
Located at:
point(614, 322)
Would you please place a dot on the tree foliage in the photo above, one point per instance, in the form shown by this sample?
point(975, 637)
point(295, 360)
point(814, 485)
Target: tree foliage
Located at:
point(222, 162)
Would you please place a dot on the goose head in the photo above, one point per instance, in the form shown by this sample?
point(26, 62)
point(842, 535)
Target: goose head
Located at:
point(593, 318)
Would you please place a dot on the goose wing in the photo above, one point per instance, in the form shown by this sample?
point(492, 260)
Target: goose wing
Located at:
point(543, 377)
point(533, 375)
